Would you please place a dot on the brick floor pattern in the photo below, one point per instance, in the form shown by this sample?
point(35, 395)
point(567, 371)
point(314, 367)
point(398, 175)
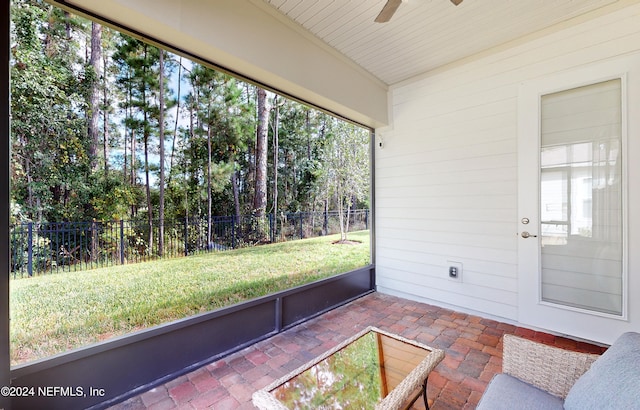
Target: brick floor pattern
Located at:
point(472, 344)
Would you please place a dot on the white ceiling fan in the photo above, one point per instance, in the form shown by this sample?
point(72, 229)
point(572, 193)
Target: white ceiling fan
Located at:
point(391, 6)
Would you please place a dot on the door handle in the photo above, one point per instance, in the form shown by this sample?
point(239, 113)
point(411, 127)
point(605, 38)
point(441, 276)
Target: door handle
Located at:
point(526, 235)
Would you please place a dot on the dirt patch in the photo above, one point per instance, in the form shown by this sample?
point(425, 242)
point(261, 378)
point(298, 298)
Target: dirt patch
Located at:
point(346, 242)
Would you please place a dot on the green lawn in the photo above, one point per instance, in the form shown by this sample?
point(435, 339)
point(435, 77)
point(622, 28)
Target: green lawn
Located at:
point(54, 313)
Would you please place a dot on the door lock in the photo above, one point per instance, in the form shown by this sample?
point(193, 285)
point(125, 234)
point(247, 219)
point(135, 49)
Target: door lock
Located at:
point(526, 235)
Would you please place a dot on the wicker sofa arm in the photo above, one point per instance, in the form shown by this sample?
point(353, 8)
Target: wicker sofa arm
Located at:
point(549, 368)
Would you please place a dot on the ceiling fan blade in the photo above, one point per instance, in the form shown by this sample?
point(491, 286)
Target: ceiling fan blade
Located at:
point(388, 11)
point(456, 2)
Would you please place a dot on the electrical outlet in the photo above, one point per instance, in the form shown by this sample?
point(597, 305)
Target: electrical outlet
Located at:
point(454, 270)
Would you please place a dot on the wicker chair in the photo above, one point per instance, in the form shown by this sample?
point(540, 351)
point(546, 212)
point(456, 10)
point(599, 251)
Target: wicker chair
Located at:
point(537, 376)
point(548, 368)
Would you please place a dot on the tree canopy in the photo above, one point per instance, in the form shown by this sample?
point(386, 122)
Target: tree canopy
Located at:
point(105, 126)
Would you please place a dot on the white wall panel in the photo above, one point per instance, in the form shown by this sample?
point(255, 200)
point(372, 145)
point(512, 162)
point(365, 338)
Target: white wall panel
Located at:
point(446, 176)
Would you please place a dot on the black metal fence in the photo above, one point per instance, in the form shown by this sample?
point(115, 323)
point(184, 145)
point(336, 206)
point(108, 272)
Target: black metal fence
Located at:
point(70, 246)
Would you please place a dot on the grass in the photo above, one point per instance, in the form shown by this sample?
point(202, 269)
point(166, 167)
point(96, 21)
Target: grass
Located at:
point(55, 313)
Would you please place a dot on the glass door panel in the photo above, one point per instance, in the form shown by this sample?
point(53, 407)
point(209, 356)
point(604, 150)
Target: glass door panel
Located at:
point(581, 198)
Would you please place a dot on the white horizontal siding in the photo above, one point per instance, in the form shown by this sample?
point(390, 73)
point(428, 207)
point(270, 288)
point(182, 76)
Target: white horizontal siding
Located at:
point(405, 285)
point(446, 177)
point(392, 247)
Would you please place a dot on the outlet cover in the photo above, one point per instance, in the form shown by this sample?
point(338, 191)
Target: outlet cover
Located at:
point(454, 271)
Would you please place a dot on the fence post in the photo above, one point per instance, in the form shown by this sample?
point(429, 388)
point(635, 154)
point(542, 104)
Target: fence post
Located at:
point(30, 249)
point(121, 242)
point(325, 227)
point(366, 219)
point(186, 236)
point(94, 243)
point(301, 216)
point(233, 231)
point(272, 218)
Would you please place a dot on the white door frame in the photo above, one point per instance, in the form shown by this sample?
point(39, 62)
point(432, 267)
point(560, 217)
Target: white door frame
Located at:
point(532, 311)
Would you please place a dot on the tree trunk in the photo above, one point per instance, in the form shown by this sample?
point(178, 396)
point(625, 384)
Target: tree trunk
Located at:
point(346, 225)
point(67, 25)
point(133, 163)
point(148, 188)
point(175, 126)
point(325, 224)
point(94, 102)
point(236, 198)
point(249, 182)
point(105, 122)
point(260, 198)
point(161, 136)
point(343, 235)
point(191, 139)
point(133, 148)
point(276, 120)
point(308, 129)
point(209, 204)
point(145, 135)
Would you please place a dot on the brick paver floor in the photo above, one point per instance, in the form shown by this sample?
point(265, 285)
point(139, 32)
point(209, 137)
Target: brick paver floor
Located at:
point(473, 354)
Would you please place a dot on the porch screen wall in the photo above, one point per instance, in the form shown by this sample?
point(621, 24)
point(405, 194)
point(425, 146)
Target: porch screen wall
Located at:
point(581, 198)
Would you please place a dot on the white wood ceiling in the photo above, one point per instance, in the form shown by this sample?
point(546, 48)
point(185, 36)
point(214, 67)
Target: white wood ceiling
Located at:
point(423, 34)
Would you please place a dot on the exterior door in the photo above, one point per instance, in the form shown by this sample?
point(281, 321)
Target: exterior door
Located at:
point(572, 227)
